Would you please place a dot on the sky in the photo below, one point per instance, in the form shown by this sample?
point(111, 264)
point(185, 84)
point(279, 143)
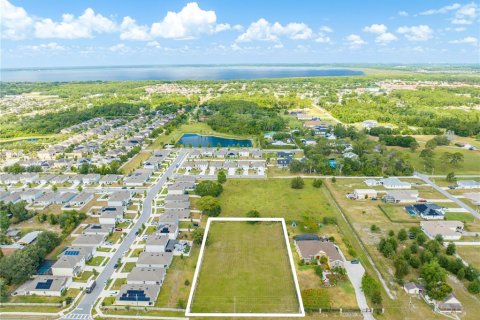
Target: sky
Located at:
point(54, 33)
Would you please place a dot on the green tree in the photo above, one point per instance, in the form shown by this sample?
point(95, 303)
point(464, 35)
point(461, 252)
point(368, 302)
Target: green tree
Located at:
point(208, 188)
point(402, 235)
point(474, 287)
point(54, 188)
point(318, 270)
point(253, 214)
point(221, 177)
point(209, 206)
point(198, 235)
point(402, 267)
point(451, 249)
point(451, 177)
point(317, 183)
point(4, 221)
point(297, 183)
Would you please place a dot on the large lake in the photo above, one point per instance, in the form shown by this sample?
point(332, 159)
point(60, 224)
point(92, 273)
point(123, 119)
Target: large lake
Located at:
point(196, 140)
point(199, 72)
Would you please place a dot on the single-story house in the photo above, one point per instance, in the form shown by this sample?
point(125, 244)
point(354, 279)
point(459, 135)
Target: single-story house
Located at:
point(81, 199)
point(89, 240)
point(44, 285)
point(155, 259)
point(148, 276)
point(309, 250)
point(364, 193)
point(468, 184)
point(395, 183)
point(449, 230)
point(156, 243)
point(29, 237)
point(72, 261)
point(427, 211)
point(109, 179)
point(401, 196)
point(168, 229)
point(138, 295)
point(450, 305)
point(119, 198)
point(413, 288)
point(111, 214)
point(102, 229)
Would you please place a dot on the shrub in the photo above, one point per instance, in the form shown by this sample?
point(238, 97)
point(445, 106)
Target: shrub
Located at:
point(297, 183)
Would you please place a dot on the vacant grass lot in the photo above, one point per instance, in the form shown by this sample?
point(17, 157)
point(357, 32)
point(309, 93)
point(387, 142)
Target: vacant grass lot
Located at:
point(245, 269)
point(471, 254)
point(135, 162)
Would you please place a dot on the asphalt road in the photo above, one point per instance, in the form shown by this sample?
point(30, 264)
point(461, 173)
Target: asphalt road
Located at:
point(86, 304)
point(427, 180)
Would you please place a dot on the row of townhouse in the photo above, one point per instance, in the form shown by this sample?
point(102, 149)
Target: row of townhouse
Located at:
point(226, 153)
point(145, 280)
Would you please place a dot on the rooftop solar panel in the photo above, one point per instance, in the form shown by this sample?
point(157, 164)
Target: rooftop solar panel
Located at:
point(44, 285)
point(134, 295)
point(72, 253)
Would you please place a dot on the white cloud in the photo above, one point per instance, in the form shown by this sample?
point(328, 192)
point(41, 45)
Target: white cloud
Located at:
point(130, 30)
point(72, 28)
point(322, 38)
point(441, 10)
point(262, 30)
point(462, 21)
point(326, 29)
point(118, 47)
point(354, 41)
point(458, 29)
point(468, 11)
point(376, 28)
point(188, 23)
point(403, 13)
point(466, 40)
point(238, 27)
point(154, 44)
point(52, 46)
point(416, 33)
point(15, 21)
point(383, 37)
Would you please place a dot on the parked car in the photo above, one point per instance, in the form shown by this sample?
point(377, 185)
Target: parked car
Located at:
point(354, 262)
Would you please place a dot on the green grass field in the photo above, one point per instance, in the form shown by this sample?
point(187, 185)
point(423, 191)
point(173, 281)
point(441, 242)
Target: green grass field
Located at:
point(245, 269)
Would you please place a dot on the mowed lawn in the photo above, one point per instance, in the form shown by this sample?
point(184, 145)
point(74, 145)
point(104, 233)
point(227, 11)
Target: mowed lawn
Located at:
point(245, 269)
point(273, 198)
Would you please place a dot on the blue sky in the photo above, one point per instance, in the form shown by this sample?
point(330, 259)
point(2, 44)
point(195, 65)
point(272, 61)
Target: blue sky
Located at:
point(52, 33)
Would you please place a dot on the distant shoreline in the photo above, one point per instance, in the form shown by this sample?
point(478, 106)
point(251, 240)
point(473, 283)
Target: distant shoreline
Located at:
point(173, 73)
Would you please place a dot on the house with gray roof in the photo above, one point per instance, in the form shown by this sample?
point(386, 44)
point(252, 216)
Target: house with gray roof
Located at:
point(138, 295)
point(72, 261)
point(44, 285)
point(109, 179)
point(309, 250)
point(149, 276)
point(111, 214)
point(119, 198)
point(89, 240)
point(156, 243)
point(155, 259)
point(101, 229)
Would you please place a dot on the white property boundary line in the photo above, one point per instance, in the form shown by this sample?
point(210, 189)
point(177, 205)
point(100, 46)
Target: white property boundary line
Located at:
point(188, 312)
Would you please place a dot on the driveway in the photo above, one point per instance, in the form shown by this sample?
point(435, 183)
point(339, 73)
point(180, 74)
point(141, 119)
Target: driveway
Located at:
point(355, 273)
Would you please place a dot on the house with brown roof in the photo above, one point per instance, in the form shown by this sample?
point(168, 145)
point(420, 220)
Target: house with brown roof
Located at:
point(310, 250)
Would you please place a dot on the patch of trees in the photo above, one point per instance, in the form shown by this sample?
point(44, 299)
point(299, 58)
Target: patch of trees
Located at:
point(243, 117)
point(429, 257)
point(17, 168)
point(53, 122)
point(208, 188)
point(399, 141)
point(67, 220)
point(378, 131)
point(18, 267)
point(16, 211)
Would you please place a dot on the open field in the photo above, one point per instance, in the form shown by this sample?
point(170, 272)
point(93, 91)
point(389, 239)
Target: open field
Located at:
point(194, 127)
point(135, 162)
point(235, 263)
point(471, 254)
